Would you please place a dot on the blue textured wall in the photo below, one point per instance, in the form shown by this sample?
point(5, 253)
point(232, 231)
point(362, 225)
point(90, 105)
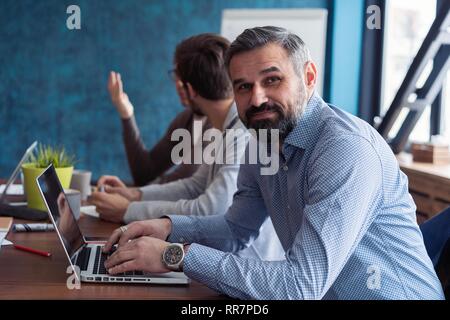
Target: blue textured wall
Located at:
point(53, 80)
point(348, 24)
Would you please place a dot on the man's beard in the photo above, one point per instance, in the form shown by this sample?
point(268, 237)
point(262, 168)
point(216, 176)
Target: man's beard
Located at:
point(195, 109)
point(284, 122)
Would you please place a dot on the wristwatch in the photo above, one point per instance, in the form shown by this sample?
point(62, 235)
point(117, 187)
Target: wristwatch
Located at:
point(173, 256)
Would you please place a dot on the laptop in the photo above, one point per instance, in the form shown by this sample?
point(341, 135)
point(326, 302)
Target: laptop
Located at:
point(88, 257)
point(19, 209)
point(13, 177)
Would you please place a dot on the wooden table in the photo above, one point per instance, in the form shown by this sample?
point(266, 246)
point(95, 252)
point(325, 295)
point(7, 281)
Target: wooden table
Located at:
point(429, 185)
point(25, 275)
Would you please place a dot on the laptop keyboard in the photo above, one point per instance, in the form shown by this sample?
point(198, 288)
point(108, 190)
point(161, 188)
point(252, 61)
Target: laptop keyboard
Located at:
point(99, 263)
point(83, 258)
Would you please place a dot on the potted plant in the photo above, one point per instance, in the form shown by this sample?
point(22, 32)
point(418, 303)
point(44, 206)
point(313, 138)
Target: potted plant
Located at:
point(46, 155)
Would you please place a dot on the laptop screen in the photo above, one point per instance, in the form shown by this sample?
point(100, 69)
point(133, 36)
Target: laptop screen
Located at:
point(60, 210)
point(16, 171)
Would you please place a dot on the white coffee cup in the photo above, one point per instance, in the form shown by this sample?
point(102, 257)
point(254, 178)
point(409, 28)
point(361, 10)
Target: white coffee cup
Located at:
point(81, 181)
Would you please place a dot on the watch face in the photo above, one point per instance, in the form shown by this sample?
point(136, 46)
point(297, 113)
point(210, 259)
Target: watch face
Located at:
point(173, 255)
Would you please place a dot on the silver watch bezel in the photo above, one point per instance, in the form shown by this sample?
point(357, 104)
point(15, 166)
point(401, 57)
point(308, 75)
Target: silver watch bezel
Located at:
point(177, 266)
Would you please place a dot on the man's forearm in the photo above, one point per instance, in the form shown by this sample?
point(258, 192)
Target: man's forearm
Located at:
point(143, 168)
point(211, 231)
point(245, 278)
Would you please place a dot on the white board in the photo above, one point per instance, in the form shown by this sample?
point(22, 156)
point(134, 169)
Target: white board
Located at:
point(308, 24)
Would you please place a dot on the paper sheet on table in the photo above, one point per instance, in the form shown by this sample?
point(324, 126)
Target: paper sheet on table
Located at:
point(3, 241)
point(90, 211)
point(14, 189)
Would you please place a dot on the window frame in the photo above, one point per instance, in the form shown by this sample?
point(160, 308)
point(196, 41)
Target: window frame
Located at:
point(371, 85)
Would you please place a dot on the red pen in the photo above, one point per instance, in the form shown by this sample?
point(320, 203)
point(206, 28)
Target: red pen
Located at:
point(42, 253)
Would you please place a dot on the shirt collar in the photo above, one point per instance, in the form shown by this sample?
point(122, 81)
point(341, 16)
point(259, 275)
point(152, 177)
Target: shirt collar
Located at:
point(232, 113)
point(305, 132)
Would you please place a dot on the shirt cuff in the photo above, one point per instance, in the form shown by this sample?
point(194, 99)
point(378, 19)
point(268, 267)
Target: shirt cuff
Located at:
point(133, 212)
point(183, 229)
point(147, 191)
point(130, 123)
point(202, 263)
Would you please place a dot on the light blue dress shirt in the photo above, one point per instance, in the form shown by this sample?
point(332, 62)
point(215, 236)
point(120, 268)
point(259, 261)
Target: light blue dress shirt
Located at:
point(208, 192)
point(341, 208)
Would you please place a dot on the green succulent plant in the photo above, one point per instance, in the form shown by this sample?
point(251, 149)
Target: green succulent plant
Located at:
point(46, 155)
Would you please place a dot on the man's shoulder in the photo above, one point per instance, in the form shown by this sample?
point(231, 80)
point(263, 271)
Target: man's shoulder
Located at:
point(341, 133)
point(339, 126)
point(182, 120)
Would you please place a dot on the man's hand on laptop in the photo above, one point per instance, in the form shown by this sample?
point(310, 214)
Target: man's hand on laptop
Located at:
point(156, 228)
point(110, 206)
point(142, 254)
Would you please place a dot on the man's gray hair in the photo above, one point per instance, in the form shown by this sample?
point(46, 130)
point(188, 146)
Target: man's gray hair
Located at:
point(260, 36)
